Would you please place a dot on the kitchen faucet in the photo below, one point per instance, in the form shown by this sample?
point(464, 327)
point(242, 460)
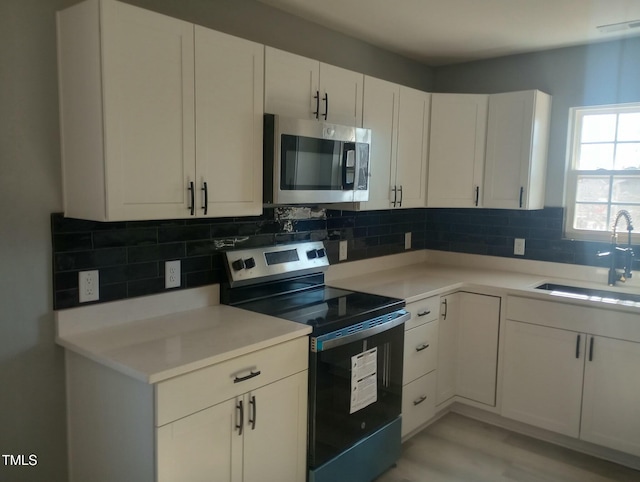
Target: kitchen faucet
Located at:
point(628, 252)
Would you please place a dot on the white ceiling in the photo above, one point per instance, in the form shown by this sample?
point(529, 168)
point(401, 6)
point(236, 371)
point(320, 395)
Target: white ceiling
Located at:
point(440, 32)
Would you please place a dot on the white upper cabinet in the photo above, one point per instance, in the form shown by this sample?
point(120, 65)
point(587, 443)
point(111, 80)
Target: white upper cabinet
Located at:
point(229, 124)
point(128, 106)
point(303, 88)
point(516, 157)
point(456, 150)
point(398, 117)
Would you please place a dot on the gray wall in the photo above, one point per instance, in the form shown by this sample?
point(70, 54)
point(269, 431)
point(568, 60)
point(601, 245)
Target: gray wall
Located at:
point(603, 73)
point(32, 399)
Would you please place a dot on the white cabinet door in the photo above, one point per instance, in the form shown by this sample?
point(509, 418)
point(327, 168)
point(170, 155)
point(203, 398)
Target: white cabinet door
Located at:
point(202, 447)
point(410, 164)
point(517, 138)
point(291, 82)
point(275, 433)
point(148, 101)
point(456, 150)
point(611, 396)
point(542, 377)
point(478, 326)
point(447, 348)
point(341, 95)
point(229, 124)
point(380, 114)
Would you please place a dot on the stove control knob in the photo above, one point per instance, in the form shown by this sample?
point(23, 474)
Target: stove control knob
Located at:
point(238, 265)
point(322, 253)
point(249, 263)
point(312, 254)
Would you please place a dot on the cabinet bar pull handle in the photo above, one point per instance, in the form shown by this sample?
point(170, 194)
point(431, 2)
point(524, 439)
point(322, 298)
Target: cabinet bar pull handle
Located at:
point(424, 346)
point(249, 376)
point(317, 98)
point(254, 411)
point(477, 195)
point(424, 312)
point(591, 349)
point(326, 105)
point(444, 315)
point(521, 194)
point(401, 196)
point(419, 400)
point(205, 189)
point(241, 424)
point(192, 196)
point(395, 195)
point(578, 347)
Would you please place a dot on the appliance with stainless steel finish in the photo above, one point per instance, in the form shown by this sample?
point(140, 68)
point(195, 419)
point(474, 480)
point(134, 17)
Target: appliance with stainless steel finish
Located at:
point(355, 355)
point(310, 162)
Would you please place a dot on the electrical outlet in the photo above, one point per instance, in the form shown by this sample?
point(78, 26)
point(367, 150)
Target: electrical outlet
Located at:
point(518, 246)
point(343, 251)
point(89, 286)
point(407, 240)
point(172, 274)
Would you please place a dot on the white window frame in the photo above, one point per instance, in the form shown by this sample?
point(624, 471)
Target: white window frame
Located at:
point(571, 182)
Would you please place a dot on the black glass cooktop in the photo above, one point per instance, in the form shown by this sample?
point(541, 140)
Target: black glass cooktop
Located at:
point(324, 308)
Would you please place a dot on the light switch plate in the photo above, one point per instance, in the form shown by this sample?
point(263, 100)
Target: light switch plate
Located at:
point(407, 240)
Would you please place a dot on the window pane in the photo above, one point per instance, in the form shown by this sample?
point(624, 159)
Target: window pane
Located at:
point(598, 128)
point(591, 216)
point(593, 189)
point(596, 156)
point(634, 210)
point(628, 156)
point(629, 127)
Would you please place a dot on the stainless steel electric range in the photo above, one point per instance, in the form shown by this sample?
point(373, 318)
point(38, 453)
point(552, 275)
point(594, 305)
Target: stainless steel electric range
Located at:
point(355, 355)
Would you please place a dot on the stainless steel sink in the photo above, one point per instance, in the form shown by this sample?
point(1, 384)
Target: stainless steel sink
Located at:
point(579, 292)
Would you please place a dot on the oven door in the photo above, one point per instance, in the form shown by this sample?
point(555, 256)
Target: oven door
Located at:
point(355, 386)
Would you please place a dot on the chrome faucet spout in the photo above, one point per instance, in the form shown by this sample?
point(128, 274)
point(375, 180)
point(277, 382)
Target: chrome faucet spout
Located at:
point(628, 252)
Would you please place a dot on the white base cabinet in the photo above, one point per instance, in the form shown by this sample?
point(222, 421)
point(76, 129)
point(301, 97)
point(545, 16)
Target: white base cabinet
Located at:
point(241, 420)
point(572, 382)
point(468, 347)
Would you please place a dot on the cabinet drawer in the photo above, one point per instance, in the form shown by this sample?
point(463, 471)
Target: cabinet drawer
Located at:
point(418, 402)
point(420, 351)
point(423, 311)
point(186, 394)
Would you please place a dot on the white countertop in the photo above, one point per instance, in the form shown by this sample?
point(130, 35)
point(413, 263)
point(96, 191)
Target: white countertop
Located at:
point(161, 347)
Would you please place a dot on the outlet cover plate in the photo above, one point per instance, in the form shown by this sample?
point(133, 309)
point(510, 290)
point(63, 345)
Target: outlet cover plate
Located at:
point(172, 274)
point(88, 286)
point(342, 255)
point(407, 240)
point(518, 246)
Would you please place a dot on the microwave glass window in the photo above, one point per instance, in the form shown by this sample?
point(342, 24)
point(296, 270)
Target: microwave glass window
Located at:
point(311, 164)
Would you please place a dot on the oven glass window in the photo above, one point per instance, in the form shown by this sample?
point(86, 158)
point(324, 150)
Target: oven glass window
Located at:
point(311, 164)
point(333, 426)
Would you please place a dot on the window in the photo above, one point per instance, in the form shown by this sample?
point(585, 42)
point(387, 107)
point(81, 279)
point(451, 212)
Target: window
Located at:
point(604, 175)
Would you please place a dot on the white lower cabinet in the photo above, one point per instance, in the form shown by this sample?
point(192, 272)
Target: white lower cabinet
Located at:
point(234, 440)
point(420, 358)
point(468, 347)
point(572, 382)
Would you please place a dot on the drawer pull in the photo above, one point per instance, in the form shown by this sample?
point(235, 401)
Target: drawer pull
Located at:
point(424, 346)
point(424, 312)
point(253, 374)
point(419, 400)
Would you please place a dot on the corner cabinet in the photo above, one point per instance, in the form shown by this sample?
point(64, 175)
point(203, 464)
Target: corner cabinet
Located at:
point(304, 88)
point(516, 157)
point(468, 348)
point(457, 149)
point(159, 118)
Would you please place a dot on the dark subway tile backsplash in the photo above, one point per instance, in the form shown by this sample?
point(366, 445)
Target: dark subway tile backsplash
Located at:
point(131, 255)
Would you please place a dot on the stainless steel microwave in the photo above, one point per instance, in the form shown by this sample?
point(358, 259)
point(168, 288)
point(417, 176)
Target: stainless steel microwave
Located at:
point(312, 162)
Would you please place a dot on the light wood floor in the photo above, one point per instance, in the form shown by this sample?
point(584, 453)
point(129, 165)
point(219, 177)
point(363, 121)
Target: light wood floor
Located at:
point(457, 448)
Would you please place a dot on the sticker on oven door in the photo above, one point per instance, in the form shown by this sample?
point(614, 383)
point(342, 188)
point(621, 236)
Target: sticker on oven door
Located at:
point(364, 375)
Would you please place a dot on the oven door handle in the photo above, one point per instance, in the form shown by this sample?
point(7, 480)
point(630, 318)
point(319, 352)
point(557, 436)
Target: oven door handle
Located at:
point(330, 340)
